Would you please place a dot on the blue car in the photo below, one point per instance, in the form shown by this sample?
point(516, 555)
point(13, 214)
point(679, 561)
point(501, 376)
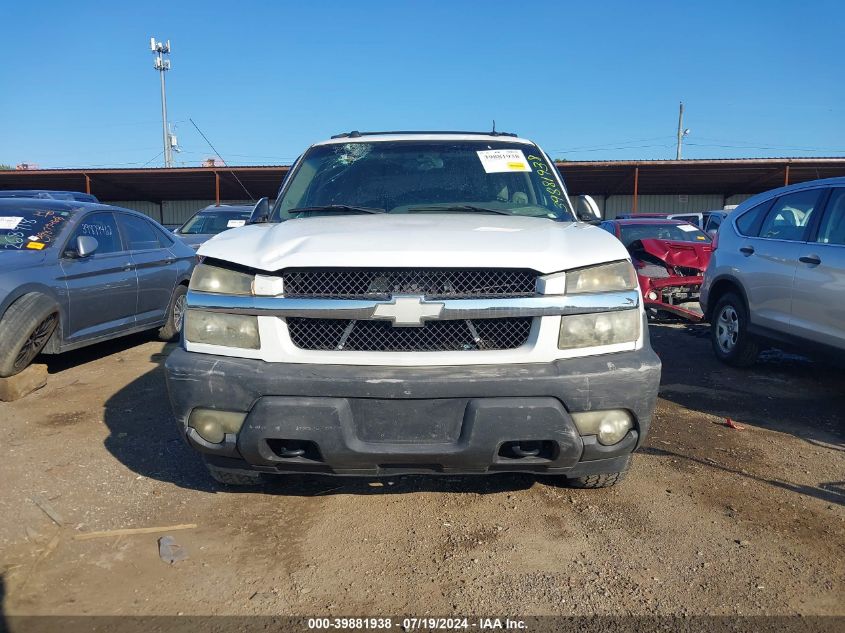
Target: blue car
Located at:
point(76, 273)
point(49, 194)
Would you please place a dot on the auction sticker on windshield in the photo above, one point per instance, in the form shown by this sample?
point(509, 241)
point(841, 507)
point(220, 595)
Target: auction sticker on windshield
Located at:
point(497, 161)
point(9, 222)
point(233, 224)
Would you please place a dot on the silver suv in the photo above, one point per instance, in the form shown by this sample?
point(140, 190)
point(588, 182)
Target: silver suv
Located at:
point(778, 273)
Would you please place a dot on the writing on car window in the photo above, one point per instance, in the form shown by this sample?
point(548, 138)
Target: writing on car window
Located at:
point(31, 229)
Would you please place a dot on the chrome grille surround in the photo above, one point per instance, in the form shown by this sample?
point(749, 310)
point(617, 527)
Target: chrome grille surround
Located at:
point(404, 310)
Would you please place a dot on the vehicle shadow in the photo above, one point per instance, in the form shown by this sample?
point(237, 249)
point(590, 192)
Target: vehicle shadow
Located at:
point(4, 627)
point(783, 392)
point(60, 362)
point(143, 436)
point(830, 491)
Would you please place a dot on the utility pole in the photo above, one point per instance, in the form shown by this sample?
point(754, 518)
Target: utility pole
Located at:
point(162, 65)
point(681, 131)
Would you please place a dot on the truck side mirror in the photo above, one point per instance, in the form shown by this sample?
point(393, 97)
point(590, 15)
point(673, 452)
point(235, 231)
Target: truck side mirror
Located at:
point(260, 212)
point(586, 209)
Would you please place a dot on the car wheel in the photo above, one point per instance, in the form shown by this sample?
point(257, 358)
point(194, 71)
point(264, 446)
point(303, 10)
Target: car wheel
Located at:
point(729, 335)
point(24, 331)
point(605, 480)
point(175, 315)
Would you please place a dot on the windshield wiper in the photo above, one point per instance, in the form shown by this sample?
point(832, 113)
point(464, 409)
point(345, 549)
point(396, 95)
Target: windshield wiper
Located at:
point(340, 208)
point(458, 207)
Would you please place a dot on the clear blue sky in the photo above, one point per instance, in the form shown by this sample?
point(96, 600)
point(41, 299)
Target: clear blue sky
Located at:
point(587, 80)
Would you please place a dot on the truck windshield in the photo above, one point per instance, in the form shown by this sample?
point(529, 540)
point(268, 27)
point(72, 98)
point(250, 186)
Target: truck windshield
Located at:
point(424, 177)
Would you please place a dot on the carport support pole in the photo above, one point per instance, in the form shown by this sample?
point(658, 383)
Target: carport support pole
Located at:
point(636, 188)
point(217, 188)
point(786, 176)
point(87, 184)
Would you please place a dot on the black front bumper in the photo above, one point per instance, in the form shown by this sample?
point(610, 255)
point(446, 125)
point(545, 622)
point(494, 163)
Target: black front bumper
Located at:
point(375, 420)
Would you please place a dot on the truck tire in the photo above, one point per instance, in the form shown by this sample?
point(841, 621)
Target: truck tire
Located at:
point(24, 330)
point(732, 343)
point(605, 480)
point(175, 315)
point(232, 477)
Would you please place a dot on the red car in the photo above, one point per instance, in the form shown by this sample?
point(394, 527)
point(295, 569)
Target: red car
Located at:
point(670, 257)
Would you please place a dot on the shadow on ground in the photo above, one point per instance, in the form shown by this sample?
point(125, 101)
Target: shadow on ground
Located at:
point(829, 491)
point(782, 392)
point(60, 362)
point(144, 437)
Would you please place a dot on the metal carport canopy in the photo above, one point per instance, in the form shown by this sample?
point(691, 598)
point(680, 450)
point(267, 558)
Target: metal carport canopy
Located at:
point(712, 176)
point(154, 184)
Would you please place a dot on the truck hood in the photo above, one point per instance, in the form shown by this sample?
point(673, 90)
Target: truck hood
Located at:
point(431, 240)
point(686, 254)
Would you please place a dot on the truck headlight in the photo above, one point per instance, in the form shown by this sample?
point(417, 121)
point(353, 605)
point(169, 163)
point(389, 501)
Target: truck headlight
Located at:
point(609, 426)
point(603, 278)
point(599, 328)
point(207, 278)
point(215, 328)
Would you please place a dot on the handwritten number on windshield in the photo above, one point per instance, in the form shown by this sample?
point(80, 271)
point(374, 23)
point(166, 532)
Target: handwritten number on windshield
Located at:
point(546, 177)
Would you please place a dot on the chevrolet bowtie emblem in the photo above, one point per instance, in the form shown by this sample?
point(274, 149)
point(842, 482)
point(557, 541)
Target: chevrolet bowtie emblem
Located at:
point(408, 311)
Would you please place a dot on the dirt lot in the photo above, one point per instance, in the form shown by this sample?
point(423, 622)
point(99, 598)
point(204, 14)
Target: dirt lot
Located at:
point(711, 519)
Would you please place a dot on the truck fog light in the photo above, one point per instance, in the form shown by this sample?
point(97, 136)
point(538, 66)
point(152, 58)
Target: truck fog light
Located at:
point(213, 328)
point(601, 328)
point(212, 425)
point(652, 295)
point(610, 426)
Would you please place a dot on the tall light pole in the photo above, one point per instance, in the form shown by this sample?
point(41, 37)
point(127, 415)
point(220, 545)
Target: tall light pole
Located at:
point(682, 133)
point(162, 65)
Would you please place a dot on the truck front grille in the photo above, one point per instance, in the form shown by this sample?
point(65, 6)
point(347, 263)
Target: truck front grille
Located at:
point(433, 283)
point(434, 336)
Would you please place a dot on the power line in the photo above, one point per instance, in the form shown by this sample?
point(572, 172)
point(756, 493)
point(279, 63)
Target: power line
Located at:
point(231, 171)
point(607, 146)
point(770, 147)
point(605, 149)
point(153, 158)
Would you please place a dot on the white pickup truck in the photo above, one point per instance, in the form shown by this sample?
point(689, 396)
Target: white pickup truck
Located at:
point(415, 303)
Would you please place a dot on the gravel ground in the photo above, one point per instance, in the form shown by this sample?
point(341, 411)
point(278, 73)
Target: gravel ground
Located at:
point(711, 519)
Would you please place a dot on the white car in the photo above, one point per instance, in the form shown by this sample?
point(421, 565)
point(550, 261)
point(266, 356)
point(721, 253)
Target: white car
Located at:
point(416, 303)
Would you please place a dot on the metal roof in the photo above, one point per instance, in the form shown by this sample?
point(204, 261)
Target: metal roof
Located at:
point(712, 176)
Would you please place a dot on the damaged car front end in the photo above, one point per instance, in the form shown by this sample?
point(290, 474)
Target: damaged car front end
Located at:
point(670, 258)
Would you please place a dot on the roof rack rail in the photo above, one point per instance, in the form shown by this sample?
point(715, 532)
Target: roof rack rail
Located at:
point(357, 134)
